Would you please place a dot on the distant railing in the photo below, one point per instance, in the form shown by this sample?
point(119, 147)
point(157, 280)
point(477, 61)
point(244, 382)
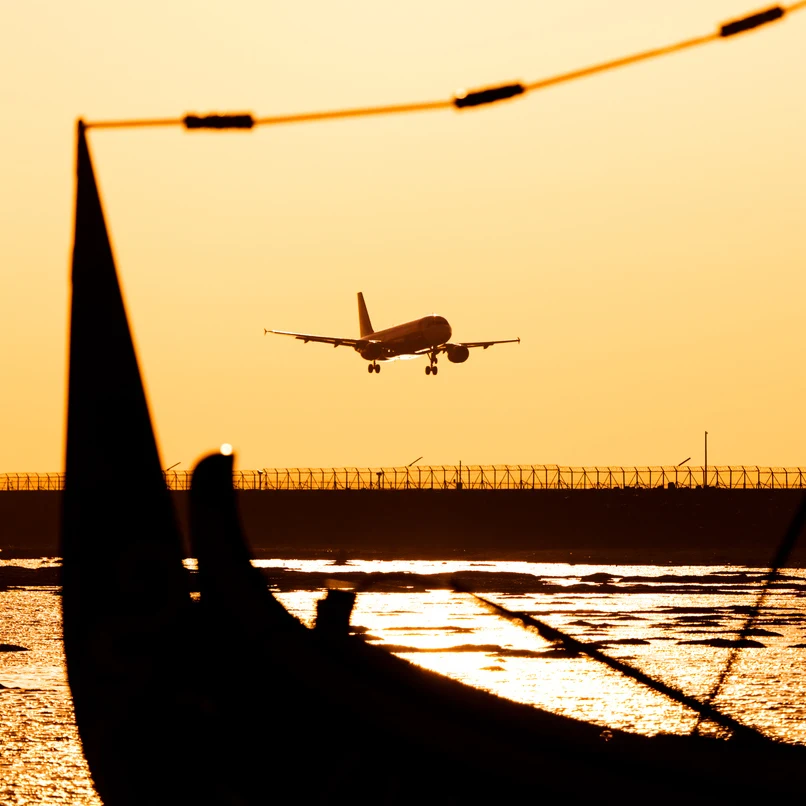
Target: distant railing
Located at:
point(471, 477)
point(31, 481)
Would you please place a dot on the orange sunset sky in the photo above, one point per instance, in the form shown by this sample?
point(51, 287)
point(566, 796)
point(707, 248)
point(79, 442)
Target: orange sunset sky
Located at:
point(642, 230)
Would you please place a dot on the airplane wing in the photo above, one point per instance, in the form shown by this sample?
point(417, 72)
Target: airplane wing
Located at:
point(443, 348)
point(306, 337)
point(486, 344)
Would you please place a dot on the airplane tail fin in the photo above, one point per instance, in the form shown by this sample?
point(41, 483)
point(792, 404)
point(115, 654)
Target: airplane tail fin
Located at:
point(363, 317)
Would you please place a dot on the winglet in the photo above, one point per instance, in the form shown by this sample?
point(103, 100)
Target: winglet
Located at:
point(265, 331)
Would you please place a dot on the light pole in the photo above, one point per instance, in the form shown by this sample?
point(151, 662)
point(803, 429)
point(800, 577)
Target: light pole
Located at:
point(165, 473)
point(705, 469)
point(680, 464)
point(408, 480)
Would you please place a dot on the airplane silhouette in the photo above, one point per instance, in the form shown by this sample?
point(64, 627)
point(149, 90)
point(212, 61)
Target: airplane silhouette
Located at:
point(426, 336)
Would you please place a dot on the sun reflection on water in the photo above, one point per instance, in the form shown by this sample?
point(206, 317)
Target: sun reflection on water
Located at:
point(647, 616)
point(450, 634)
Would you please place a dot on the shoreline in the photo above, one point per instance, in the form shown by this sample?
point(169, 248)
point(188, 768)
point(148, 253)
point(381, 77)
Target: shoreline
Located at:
point(479, 577)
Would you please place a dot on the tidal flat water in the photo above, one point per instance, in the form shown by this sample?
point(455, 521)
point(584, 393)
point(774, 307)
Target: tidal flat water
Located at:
point(670, 622)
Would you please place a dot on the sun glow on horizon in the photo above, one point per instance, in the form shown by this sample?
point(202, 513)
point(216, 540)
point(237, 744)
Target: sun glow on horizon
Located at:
point(638, 229)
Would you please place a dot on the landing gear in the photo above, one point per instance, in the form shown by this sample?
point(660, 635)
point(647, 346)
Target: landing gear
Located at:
point(432, 369)
point(373, 367)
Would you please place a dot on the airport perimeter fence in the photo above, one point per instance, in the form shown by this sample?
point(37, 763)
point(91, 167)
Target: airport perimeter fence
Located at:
point(468, 477)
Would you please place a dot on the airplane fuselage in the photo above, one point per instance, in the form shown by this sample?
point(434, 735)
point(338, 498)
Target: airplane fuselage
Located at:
point(408, 338)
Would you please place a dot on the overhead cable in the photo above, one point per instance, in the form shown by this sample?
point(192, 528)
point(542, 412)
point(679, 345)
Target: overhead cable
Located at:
point(462, 99)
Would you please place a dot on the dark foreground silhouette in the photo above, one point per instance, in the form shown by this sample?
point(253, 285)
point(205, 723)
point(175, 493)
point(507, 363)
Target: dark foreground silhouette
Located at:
point(229, 699)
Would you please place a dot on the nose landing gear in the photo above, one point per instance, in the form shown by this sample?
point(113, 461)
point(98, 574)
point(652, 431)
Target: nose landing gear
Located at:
point(373, 367)
point(432, 369)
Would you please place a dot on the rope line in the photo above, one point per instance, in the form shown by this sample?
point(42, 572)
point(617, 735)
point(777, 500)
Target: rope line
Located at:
point(462, 100)
point(705, 709)
point(782, 555)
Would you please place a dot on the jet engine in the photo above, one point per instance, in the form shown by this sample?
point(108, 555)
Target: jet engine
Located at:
point(457, 353)
point(371, 350)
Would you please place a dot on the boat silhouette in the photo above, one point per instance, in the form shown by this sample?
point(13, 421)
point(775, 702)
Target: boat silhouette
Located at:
point(227, 698)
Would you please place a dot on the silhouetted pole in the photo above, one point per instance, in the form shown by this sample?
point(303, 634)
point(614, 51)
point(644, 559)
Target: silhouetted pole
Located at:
point(410, 464)
point(705, 469)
